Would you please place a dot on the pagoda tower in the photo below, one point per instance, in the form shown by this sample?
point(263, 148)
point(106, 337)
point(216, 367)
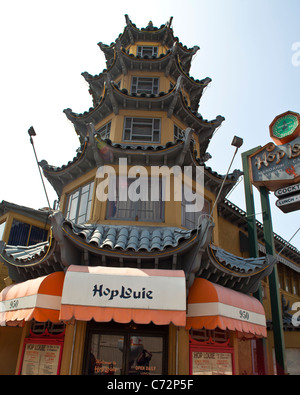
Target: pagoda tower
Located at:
point(145, 111)
point(144, 116)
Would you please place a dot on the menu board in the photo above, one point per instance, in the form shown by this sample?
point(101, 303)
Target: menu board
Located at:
point(41, 358)
point(211, 363)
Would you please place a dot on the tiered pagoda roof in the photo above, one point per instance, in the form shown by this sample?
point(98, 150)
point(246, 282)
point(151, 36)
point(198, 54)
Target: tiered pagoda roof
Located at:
point(173, 102)
point(139, 246)
point(175, 63)
point(164, 35)
point(108, 99)
point(170, 63)
point(91, 154)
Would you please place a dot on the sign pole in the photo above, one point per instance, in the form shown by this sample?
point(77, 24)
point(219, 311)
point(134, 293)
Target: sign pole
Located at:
point(279, 343)
point(250, 210)
point(261, 344)
point(272, 167)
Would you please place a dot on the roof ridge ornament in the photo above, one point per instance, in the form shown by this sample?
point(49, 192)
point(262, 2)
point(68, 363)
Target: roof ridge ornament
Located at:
point(128, 21)
point(188, 137)
point(108, 82)
point(129, 25)
point(150, 25)
point(91, 132)
point(176, 95)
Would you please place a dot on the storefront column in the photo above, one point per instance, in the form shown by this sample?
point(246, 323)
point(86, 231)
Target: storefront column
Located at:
point(178, 354)
point(234, 342)
point(183, 351)
point(25, 333)
point(10, 338)
point(78, 349)
point(68, 349)
point(172, 347)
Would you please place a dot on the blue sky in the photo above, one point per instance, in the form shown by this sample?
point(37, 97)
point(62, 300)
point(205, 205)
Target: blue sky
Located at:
point(246, 47)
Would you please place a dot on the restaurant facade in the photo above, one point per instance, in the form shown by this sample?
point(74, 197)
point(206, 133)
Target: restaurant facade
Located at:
point(125, 277)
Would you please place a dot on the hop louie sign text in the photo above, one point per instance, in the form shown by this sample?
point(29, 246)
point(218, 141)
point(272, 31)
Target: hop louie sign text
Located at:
point(125, 288)
point(276, 166)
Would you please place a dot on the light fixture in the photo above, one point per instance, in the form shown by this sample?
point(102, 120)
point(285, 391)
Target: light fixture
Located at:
point(32, 133)
point(237, 142)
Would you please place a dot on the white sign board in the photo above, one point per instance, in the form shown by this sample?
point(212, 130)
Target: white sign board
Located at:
point(125, 288)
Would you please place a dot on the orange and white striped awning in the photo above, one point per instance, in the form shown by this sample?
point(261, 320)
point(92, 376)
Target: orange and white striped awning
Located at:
point(37, 299)
point(124, 295)
point(211, 306)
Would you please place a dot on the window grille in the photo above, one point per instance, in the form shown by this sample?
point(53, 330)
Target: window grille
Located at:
point(79, 204)
point(25, 234)
point(147, 51)
point(39, 328)
point(2, 228)
point(145, 85)
point(150, 210)
point(142, 130)
point(178, 133)
point(216, 335)
point(104, 131)
point(190, 219)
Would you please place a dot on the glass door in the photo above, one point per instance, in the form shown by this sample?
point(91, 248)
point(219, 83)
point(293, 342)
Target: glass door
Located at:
point(106, 355)
point(117, 349)
point(145, 355)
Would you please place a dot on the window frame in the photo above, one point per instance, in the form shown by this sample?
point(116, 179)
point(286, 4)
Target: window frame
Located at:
point(192, 223)
point(26, 234)
point(136, 207)
point(125, 331)
point(178, 133)
point(2, 229)
point(87, 211)
point(104, 131)
point(142, 49)
point(137, 81)
point(131, 124)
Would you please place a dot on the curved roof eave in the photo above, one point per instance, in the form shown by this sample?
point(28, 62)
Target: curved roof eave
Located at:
point(122, 62)
point(24, 263)
point(241, 274)
point(115, 99)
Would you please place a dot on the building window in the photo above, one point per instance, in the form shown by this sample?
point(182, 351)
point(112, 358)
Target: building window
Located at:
point(140, 210)
point(47, 328)
point(147, 51)
point(145, 85)
point(288, 280)
point(178, 133)
point(2, 228)
point(120, 350)
point(190, 219)
point(104, 131)
point(280, 277)
point(142, 129)
point(25, 234)
point(79, 204)
point(204, 335)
